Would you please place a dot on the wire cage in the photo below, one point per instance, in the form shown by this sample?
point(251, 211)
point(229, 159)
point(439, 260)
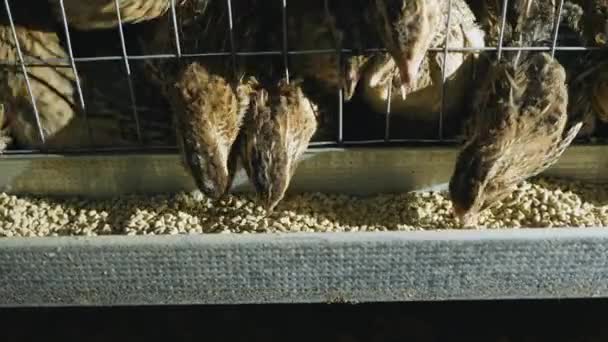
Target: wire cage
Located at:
point(352, 126)
point(326, 267)
point(342, 136)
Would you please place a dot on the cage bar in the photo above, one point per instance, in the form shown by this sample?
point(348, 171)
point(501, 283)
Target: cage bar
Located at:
point(57, 62)
point(285, 45)
point(443, 72)
point(75, 70)
point(232, 41)
point(178, 48)
point(128, 71)
point(24, 71)
point(501, 35)
point(387, 122)
point(556, 28)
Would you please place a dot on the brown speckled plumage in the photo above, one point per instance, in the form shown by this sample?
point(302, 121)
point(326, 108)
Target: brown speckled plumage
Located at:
point(207, 98)
point(407, 28)
point(315, 26)
point(424, 93)
point(101, 14)
point(520, 125)
point(276, 132)
point(600, 92)
point(588, 92)
point(595, 21)
point(208, 117)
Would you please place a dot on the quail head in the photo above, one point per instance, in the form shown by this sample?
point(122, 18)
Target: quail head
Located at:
point(316, 28)
point(209, 96)
point(407, 29)
point(587, 91)
point(101, 14)
point(595, 21)
point(208, 113)
point(600, 92)
point(519, 130)
point(276, 132)
point(425, 92)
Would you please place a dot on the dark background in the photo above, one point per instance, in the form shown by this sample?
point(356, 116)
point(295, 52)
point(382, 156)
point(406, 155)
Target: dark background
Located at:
point(506, 321)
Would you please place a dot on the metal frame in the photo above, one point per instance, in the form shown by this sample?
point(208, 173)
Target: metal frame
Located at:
point(304, 268)
point(396, 169)
point(285, 52)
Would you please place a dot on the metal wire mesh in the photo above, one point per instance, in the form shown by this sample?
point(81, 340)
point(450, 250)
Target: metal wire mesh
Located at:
point(24, 62)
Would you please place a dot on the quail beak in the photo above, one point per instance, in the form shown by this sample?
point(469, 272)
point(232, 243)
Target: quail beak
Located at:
point(408, 71)
point(348, 89)
point(406, 78)
point(466, 217)
point(269, 202)
point(215, 188)
point(212, 176)
point(459, 212)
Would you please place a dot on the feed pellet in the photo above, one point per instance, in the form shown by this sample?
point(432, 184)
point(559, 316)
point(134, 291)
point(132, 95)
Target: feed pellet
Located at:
point(537, 203)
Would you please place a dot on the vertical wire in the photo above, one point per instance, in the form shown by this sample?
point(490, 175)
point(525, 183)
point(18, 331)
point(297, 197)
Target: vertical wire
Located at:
point(178, 48)
point(443, 71)
point(503, 24)
point(387, 122)
point(340, 112)
point(232, 41)
point(331, 20)
point(340, 67)
point(24, 71)
point(128, 71)
point(556, 28)
point(285, 45)
point(75, 70)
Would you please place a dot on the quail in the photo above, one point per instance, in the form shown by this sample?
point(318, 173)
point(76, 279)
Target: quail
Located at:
point(407, 29)
point(281, 119)
point(209, 96)
point(520, 123)
point(595, 21)
point(425, 92)
point(276, 132)
point(332, 27)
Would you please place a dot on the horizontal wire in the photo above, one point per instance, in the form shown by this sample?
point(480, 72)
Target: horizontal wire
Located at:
point(65, 62)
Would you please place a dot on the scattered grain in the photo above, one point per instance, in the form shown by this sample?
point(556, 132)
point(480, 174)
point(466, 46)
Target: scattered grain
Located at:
point(538, 203)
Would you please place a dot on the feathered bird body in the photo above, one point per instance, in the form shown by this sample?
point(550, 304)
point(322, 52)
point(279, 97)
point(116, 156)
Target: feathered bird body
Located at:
point(280, 123)
point(520, 124)
point(424, 92)
point(209, 96)
point(328, 27)
point(102, 14)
